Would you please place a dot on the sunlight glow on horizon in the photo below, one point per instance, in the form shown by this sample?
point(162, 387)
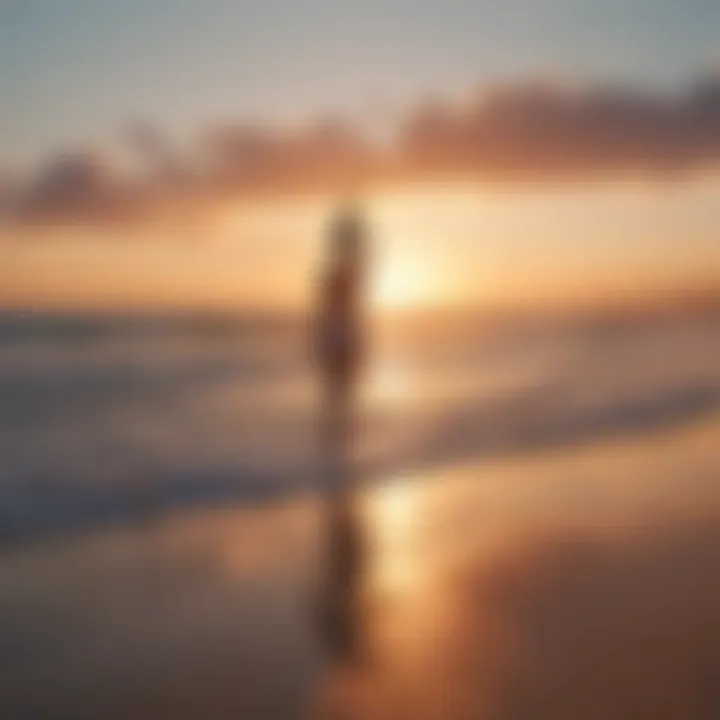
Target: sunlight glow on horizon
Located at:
point(428, 248)
point(403, 283)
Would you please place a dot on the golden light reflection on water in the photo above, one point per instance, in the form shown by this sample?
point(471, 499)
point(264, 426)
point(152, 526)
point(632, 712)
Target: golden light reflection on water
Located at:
point(395, 516)
point(492, 587)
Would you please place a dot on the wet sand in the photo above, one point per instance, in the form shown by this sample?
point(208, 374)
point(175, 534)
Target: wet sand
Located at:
point(574, 584)
point(581, 584)
point(203, 615)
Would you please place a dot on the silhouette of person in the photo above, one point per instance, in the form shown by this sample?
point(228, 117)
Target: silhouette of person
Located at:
point(340, 354)
point(339, 337)
point(340, 342)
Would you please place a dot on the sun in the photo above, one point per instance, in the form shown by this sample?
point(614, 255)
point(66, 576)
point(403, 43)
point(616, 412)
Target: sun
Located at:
point(402, 282)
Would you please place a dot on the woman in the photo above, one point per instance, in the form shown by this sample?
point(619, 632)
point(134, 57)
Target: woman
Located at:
point(339, 349)
point(339, 341)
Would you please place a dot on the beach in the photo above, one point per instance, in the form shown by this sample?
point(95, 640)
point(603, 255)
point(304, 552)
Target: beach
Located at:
point(556, 585)
point(540, 533)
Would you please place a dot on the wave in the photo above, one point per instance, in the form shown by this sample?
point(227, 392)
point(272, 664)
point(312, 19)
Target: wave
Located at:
point(129, 417)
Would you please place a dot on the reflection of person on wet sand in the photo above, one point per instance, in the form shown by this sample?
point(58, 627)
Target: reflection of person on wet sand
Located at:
point(339, 349)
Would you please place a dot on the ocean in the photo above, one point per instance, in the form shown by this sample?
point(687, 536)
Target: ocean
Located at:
point(108, 418)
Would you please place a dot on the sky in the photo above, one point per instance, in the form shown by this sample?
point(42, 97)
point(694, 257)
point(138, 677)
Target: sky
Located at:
point(73, 69)
point(76, 76)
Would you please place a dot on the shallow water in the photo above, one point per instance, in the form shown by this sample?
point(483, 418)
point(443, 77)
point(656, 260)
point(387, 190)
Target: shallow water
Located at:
point(110, 418)
point(574, 584)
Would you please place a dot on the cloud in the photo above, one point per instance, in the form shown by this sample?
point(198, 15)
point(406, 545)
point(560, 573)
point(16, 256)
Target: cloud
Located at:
point(538, 130)
point(77, 187)
point(329, 154)
point(530, 131)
